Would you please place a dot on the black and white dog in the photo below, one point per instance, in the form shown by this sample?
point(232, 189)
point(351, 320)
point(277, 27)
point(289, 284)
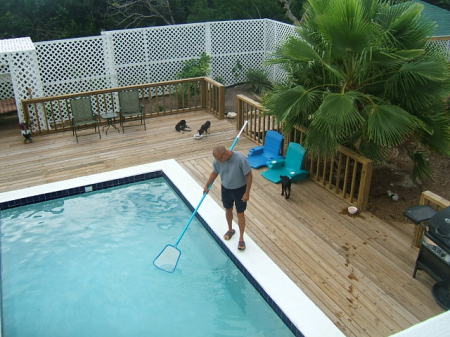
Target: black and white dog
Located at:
point(26, 133)
point(285, 186)
point(182, 126)
point(204, 129)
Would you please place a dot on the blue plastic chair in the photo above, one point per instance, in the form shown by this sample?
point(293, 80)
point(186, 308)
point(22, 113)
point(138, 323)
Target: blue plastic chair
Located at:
point(291, 166)
point(260, 155)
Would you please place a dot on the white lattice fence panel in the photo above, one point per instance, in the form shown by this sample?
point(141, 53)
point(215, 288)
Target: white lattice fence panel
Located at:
point(6, 87)
point(270, 36)
point(74, 65)
point(25, 77)
point(441, 45)
point(131, 75)
point(164, 71)
point(237, 37)
point(282, 32)
point(129, 47)
point(175, 42)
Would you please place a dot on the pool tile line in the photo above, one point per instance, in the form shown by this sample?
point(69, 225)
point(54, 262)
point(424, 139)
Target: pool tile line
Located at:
point(238, 264)
point(78, 190)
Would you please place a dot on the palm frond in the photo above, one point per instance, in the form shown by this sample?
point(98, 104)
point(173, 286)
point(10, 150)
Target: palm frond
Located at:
point(421, 169)
point(389, 125)
point(348, 29)
point(338, 114)
point(416, 85)
point(439, 139)
point(292, 106)
point(404, 26)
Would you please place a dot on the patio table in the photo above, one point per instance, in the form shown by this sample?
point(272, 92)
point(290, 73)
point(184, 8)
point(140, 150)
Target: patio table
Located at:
point(110, 118)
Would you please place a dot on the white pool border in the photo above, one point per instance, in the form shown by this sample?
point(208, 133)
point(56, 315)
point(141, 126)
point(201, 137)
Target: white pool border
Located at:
point(300, 310)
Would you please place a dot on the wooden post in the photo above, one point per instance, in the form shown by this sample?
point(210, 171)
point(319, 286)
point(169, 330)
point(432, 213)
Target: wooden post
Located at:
point(221, 107)
point(203, 86)
point(364, 187)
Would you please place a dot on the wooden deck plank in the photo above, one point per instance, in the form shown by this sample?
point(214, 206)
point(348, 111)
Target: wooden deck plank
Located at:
point(356, 269)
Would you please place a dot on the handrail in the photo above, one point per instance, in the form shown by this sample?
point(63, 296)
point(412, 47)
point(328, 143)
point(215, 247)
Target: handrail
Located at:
point(110, 90)
point(52, 114)
point(433, 200)
point(438, 38)
point(347, 174)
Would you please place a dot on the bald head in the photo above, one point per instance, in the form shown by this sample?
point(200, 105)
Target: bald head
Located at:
point(221, 154)
point(219, 150)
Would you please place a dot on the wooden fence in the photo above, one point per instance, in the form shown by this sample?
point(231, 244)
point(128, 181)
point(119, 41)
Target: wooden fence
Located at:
point(436, 202)
point(347, 174)
point(53, 114)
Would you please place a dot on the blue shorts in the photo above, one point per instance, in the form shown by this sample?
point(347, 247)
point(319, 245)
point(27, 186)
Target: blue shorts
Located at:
point(230, 196)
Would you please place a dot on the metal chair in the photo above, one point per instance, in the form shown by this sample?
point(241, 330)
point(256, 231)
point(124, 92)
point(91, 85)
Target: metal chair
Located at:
point(83, 116)
point(130, 107)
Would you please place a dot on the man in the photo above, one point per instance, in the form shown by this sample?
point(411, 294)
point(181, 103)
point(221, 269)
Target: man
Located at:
point(236, 177)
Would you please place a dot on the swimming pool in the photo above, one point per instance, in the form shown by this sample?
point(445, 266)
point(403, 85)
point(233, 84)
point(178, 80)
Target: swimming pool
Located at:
point(133, 264)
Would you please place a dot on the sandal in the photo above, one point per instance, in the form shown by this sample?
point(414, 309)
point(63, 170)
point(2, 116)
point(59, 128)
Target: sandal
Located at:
point(241, 245)
point(228, 235)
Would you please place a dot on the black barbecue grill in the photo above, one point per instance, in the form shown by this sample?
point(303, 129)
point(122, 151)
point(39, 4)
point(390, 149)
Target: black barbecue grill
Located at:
point(434, 254)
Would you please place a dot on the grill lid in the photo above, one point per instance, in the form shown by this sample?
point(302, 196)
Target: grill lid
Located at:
point(441, 222)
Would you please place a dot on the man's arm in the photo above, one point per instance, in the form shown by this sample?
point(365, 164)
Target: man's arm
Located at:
point(211, 179)
point(249, 179)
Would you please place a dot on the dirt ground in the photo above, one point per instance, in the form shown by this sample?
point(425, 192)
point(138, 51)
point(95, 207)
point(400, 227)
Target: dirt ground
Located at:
point(393, 176)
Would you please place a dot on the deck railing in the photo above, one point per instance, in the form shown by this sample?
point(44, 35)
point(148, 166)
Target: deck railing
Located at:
point(258, 123)
point(347, 174)
point(436, 202)
point(53, 114)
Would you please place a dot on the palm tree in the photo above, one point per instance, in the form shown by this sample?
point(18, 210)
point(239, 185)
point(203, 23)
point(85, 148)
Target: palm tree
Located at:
point(362, 74)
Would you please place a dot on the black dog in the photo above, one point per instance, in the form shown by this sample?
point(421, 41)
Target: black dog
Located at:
point(182, 126)
point(285, 186)
point(204, 129)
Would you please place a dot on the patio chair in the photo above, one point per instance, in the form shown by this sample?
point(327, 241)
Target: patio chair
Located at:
point(130, 107)
point(271, 150)
point(83, 116)
point(291, 166)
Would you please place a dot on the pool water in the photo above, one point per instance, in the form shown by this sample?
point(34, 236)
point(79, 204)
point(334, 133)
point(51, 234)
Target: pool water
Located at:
point(82, 266)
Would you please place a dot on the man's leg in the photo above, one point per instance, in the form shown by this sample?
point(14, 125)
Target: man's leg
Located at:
point(241, 223)
point(229, 216)
point(227, 201)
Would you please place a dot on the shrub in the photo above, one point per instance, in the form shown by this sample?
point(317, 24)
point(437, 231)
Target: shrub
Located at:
point(258, 80)
point(196, 67)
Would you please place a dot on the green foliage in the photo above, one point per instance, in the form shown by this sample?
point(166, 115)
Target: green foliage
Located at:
point(237, 70)
point(219, 79)
point(217, 10)
point(258, 80)
point(46, 19)
point(196, 67)
point(421, 169)
point(50, 19)
point(363, 76)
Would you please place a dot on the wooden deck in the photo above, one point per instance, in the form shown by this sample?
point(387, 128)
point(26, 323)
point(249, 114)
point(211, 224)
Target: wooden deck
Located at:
point(357, 270)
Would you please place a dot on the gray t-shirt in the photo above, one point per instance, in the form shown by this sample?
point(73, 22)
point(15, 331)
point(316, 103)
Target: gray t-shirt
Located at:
point(233, 171)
